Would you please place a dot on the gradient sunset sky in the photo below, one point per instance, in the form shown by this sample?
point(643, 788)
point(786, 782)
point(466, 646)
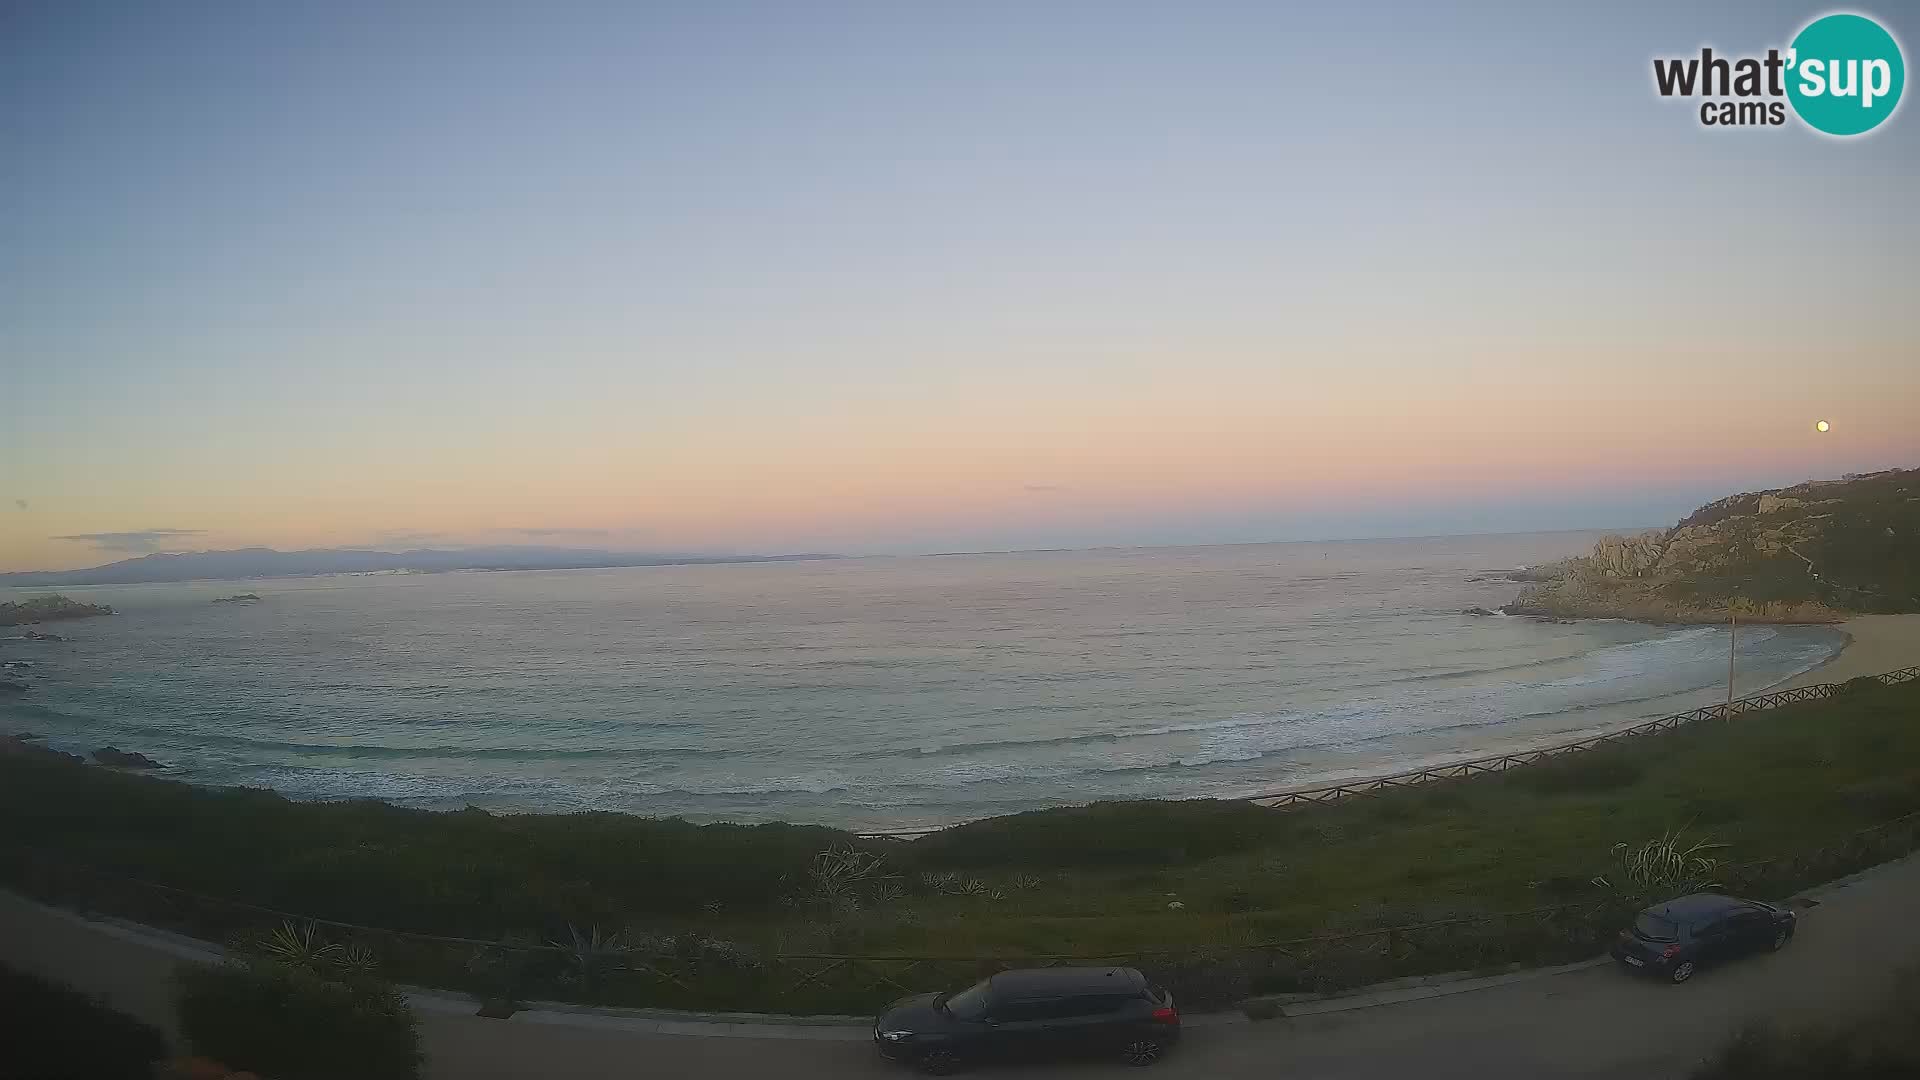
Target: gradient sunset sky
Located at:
point(911, 277)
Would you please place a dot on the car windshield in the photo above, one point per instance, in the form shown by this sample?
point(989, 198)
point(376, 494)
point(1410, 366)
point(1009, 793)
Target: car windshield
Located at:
point(968, 1004)
point(1652, 927)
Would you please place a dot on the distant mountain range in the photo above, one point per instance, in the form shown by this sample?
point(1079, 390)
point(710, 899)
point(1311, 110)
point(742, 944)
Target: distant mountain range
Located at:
point(262, 562)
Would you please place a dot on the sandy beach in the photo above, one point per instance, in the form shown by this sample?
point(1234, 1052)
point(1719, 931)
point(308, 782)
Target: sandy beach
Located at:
point(1878, 643)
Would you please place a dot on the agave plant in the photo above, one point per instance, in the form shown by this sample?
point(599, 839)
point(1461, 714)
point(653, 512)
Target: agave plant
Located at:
point(944, 882)
point(356, 960)
point(1663, 867)
point(592, 956)
point(299, 946)
point(843, 875)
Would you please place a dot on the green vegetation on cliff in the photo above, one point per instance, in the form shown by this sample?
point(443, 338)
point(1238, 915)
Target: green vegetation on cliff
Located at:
point(1815, 552)
point(48, 609)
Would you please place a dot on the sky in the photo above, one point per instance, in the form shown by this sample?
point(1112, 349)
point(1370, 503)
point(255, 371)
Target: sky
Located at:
point(906, 277)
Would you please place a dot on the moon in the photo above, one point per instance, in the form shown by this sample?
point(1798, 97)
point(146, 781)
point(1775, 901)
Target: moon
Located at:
point(1821, 426)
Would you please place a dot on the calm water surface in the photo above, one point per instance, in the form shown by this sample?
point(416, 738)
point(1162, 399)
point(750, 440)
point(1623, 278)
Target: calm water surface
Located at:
point(866, 692)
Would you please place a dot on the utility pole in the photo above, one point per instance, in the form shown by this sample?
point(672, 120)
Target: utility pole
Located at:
point(1733, 638)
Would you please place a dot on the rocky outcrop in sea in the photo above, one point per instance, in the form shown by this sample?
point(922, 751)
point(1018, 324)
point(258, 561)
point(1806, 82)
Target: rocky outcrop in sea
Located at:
point(48, 609)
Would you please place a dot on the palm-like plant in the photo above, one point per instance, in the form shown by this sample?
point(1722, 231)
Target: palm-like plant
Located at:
point(592, 956)
point(299, 946)
point(1663, 867)
point(356, 961)
point(843, 875)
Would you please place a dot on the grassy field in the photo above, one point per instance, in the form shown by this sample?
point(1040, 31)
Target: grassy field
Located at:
point(1090, 880)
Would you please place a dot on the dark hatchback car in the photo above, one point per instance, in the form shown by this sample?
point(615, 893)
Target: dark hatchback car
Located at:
point(1677, 938)
point(1030, 1014)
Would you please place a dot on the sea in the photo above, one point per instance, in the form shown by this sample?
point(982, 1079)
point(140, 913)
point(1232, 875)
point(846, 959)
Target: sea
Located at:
point(871, 693)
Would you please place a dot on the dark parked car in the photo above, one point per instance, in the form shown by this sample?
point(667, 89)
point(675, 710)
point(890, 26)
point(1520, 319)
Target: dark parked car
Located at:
point(1035, 1013)
point(1677, 938)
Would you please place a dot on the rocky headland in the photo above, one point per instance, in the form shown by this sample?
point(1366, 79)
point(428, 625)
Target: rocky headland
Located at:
point(1813, 553)
point(48, 609)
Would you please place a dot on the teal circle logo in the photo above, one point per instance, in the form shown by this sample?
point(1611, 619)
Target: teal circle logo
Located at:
point(1845, 74)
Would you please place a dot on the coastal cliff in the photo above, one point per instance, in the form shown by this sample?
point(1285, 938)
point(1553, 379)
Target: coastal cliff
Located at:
point(1813, 553)
point(48, 609)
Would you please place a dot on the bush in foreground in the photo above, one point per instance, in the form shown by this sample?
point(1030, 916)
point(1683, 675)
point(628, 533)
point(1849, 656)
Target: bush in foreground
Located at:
point(54, 1032)
point(1882, 1044)
point(292, 1023)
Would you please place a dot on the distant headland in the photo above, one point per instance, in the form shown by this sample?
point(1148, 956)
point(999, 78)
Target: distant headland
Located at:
point(260, 562)
point(41, 609)
point(1816, 552)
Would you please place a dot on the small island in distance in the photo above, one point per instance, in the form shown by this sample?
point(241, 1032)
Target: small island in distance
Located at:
point(260, 562)
point(47, 609)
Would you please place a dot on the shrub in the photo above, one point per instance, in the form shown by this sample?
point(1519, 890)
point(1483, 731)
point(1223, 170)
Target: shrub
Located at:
point(1882, 1045)
point(294, 1024)
point(592, 957)
point(1883, 797)
point(1710, 810)
point(1602, 769)
point(1664, 867)
point(1859, 685)
point(1106, 833)
point(843, 876)
point(55, 1032)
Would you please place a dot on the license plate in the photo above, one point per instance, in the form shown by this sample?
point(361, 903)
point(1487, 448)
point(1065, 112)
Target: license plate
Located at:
point(1636, 961)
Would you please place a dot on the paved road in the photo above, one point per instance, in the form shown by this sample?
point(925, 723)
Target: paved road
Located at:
point(1591, 1023)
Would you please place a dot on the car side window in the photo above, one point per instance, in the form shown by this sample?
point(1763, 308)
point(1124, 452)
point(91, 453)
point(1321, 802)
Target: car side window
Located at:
point(1710, 928)
point(1026, 1009)
point(1093, 1004)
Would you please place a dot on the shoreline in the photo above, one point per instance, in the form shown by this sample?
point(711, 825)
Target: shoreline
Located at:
point(1875, 644)
point(1870, 645)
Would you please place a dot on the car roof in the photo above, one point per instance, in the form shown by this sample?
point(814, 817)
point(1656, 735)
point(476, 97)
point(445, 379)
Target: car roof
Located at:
point(1053, 982)
point(1696, 907)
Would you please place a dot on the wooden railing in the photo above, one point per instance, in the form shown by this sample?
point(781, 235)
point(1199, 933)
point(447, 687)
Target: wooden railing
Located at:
point(1455, 770)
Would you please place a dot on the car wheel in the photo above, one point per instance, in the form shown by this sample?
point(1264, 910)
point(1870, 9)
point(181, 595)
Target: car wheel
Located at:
point(938, 1063)
point(1142, 1052)
point(1780, 939)
point(1682, 971)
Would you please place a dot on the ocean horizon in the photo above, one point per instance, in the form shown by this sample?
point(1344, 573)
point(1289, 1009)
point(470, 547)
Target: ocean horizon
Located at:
point(868, 692)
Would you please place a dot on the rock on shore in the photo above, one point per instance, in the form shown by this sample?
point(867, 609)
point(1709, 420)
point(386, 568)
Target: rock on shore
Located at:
point(16, 744)
point(124, 759)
